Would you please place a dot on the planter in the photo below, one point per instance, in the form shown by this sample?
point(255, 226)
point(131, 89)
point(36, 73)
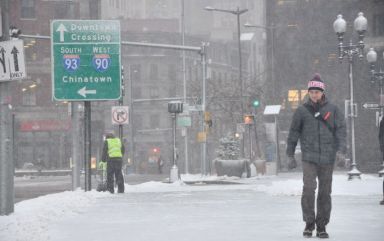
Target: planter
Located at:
point(232, 167)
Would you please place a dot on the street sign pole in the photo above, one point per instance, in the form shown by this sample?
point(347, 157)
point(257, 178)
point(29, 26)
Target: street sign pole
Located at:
point(6, 157)
point(86, 64)
point(121, 102)
point(87, 145)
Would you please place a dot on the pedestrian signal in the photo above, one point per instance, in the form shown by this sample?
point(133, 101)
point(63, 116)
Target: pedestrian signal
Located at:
point(248, 119)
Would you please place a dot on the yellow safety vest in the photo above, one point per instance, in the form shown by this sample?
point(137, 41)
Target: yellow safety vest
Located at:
point(114, 147)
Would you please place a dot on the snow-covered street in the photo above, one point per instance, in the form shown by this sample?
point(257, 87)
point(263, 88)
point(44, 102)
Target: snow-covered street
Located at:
point(260, 208)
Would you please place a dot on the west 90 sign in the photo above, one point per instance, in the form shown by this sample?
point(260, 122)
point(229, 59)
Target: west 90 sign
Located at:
point(86, 60)
point(101, 62)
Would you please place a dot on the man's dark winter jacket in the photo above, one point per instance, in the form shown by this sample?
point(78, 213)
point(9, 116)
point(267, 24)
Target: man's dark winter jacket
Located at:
point(319, 144)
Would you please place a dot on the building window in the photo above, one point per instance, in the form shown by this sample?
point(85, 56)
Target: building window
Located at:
point(135, 72)
point(154, 121)
point(172, 91)
point(28, 9)
point(154, 92)
point(295, 97)
point(29, 97)
point(153, 72)
point(172, 72)
point(136, 92)
point(378, 24)
point(138, 119)
point(64, 10)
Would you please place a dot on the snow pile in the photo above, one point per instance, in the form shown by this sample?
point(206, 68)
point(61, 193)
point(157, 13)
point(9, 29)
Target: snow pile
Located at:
point(33, 217)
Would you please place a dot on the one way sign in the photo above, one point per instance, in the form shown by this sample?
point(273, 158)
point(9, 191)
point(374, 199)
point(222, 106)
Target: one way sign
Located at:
point(12, 64)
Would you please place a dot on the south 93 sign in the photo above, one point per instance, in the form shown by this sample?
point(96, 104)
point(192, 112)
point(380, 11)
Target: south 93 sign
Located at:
point(71, 62)
point(101, 62)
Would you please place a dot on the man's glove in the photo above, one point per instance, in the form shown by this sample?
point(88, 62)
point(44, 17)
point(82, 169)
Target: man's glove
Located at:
point(291, 162)
point(103, 166)
point(340, 159)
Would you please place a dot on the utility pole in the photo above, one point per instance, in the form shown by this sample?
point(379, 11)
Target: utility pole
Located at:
point(6, 138)
point(184, 83)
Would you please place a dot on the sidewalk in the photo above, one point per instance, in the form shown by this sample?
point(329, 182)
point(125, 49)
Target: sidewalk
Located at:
point(266, 208)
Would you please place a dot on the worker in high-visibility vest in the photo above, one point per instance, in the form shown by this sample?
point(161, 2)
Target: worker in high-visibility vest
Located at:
point(113, 151)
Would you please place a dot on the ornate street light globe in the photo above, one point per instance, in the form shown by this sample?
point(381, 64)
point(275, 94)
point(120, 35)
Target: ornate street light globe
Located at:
point(339, 25)
point(371, 56)
point(360, 23)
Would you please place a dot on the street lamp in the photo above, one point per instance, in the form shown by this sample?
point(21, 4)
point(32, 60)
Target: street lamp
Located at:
point(360, 25)
point(272, 56)
point(379, 77)
point(236, 12)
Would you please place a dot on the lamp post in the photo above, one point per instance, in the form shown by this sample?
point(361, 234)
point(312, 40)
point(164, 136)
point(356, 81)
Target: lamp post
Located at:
point(272, 56)
point(379, 77)
point(360, 25)
point(236, 12)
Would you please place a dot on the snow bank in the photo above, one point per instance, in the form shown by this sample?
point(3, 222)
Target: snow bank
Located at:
point(33, 217)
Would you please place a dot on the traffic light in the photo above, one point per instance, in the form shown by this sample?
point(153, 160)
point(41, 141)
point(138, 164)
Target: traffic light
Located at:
point(155, 150)
point(256, 103)
point(248, 119)
point(208, 119)
point(14, 32)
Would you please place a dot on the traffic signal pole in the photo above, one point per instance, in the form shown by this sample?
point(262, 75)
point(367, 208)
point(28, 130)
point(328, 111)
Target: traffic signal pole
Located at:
point(6, 138)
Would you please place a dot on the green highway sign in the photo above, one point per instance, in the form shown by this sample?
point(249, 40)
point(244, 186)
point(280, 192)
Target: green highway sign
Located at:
point(86, 62)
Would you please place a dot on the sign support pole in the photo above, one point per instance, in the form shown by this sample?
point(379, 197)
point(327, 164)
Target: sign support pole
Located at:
point(76, 158)
point(87, 145)
point(6, 149)
point(121, 102)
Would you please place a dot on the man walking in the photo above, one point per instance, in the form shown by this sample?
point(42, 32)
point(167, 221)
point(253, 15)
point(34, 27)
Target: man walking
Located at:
point(321, 129)
point(113, 152)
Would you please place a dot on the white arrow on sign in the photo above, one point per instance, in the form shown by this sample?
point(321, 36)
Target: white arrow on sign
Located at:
point(12, 64)
point(84, 92)
point(371, 106)
point(61, 29)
